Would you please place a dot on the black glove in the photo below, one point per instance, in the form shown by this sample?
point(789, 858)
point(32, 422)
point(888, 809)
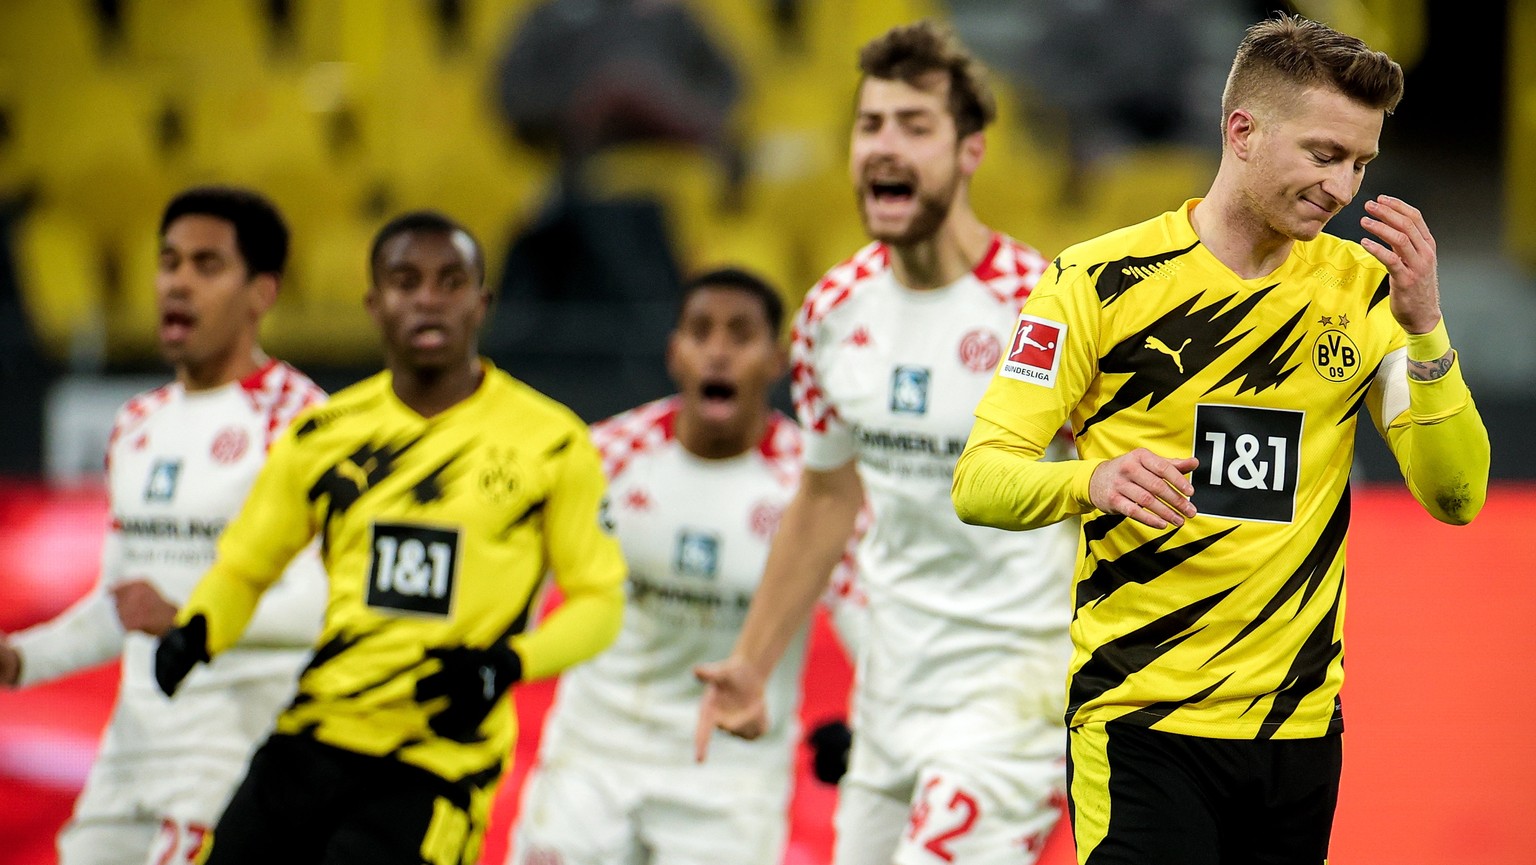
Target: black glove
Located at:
point(473, 680)
point(829, 751)
point(181, 649)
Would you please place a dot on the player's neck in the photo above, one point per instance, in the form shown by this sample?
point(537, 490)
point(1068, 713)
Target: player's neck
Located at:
point(1235, 233)
point(949, 253)
point(430, 392)
point(712, 442)
point(236, 366)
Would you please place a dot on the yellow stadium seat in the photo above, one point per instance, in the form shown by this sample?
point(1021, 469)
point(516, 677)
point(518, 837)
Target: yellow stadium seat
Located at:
point(42, 37)
point(448, 151)
point(749, 240)
point(59, 267)
point(223, 41)
point(98, 153)
point(133, 318)
point(1139, 184)
point(319, 317)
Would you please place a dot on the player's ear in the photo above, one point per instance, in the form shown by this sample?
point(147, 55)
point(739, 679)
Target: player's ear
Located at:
point(263, 294)
point(371, 303)
point(1240, 129)
point(972, 148)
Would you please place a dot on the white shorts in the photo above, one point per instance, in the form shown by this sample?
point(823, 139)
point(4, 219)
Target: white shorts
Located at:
point(147, 813)
point(597, 809)
point(107, 841)
point(981, 784)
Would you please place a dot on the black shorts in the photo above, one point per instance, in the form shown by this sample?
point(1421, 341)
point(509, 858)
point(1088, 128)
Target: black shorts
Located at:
point(306, 803)
point(1144, 797)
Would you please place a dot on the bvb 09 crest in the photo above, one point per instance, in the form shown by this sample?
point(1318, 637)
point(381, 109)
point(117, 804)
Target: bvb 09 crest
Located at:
point(1335, 356)
point(499, 477)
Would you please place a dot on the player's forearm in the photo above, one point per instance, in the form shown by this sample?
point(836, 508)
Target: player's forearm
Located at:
point(226, 599)
point(82, 636)
point(290, 614)
point(1000, 481)
point(584, 624)
point(812, 537)
point(1443, 450)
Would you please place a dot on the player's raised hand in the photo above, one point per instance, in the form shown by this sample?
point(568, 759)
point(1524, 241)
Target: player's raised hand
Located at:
point(733, 701)
point(140, 607)
point(1408, 250)
point(1149, 489)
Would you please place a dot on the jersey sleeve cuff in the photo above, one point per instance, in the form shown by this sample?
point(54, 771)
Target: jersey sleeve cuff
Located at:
point(1424, 347)
point(1080, 483)
point(824, 453)
point(1434, 401)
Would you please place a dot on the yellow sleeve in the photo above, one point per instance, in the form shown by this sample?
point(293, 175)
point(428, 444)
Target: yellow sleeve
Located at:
point(255, 548)
point(588, 567)
point(1440, 442)
point(1000, 480)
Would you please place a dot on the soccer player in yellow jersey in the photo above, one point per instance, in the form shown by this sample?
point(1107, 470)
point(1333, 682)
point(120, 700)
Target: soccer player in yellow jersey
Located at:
point(442, 490)
point(1213, 363)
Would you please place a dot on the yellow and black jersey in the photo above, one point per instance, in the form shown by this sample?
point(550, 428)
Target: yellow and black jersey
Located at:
point(1231, 625)
point(435, 532)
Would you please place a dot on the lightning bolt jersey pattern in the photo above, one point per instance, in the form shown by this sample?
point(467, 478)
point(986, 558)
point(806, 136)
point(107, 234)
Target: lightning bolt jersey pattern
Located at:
point(1231, 625)
point(435, 532)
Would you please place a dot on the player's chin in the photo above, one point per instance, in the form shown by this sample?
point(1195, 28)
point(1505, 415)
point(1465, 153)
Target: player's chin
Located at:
point(899, 233)
point(175, 352)
point(430, 360)
point(1307, 229)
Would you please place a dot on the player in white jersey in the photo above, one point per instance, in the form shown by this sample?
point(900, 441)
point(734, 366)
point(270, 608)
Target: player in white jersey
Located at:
point(958, 746)
point(697, 482)
point(179, 463)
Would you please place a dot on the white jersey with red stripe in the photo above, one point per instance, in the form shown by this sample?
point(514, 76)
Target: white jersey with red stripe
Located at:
point(179, 465)
point(889, 377)
point(695, 533)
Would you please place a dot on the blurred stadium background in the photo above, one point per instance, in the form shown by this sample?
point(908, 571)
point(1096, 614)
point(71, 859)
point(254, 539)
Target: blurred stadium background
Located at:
point(348, 111)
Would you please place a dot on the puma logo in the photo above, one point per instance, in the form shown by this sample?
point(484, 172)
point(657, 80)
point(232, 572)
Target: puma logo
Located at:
point(355, 473)
point(1061, 271)
point(1158, 345)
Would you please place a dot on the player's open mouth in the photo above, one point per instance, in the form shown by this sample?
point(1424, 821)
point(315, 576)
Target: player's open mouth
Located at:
point(428, 336)
point(889, 197)
point(890, 190)
point(719, 398)
point(176, 324)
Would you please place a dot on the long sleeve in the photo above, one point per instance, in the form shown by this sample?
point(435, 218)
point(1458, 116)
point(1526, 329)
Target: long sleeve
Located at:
point(1001, 481)
point(84, 635)
point(588, 568)
point(291, 612)
point(1440, 441)
point(272, 527)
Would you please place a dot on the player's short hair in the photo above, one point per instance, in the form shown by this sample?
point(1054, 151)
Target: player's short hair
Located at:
point(260, 233)
point(1282, 56)
point(425, 222)
point(914, 53)
point(737, 279)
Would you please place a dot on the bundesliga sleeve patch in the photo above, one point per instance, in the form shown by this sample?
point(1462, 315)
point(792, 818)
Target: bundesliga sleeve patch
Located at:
point(1036, 351)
